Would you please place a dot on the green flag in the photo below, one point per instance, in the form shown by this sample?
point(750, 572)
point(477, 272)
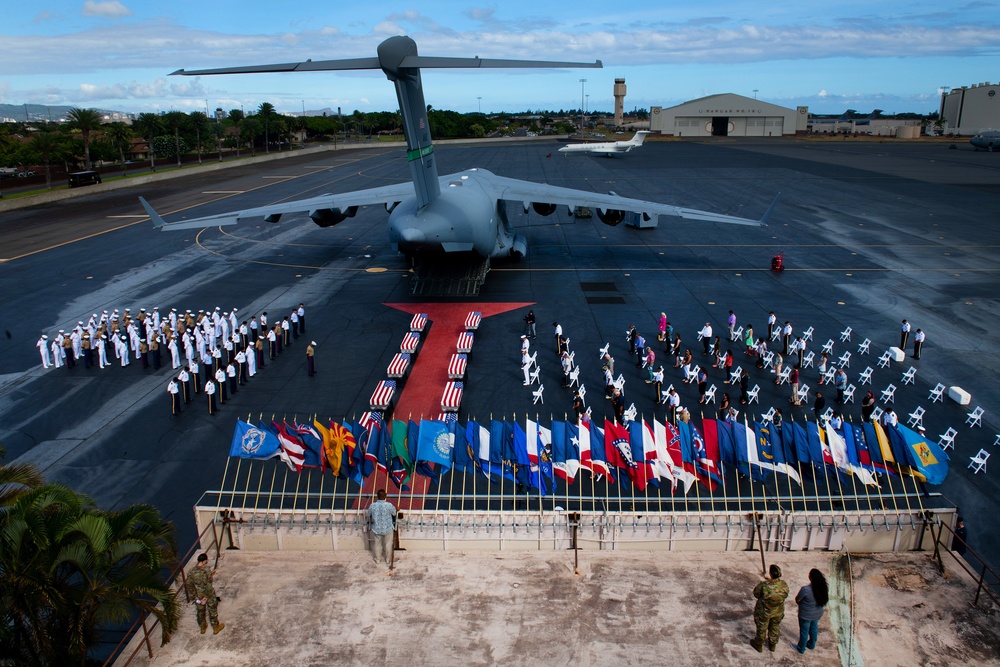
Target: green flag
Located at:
point(401, 465)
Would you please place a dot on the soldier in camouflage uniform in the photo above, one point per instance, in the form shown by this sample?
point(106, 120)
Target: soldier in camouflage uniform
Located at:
point(770, 609)
point(199, 587)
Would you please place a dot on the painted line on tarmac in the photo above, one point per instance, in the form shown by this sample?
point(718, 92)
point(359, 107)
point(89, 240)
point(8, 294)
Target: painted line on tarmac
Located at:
point(146, 218)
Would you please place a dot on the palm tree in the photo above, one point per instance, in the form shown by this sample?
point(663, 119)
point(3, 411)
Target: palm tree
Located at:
point(112, 562)
point(15, 481)
point(85, 120)
point(150, 125)
point(266, 112)
point(237, 116)
point(67, 568)
point(49, 146)
point(250, 128)
point(120, 136)
point(175, 119)
point(199, 120)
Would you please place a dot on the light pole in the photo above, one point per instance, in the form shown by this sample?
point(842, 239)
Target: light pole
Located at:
point(583, 88)
point(480, 104)
point(755, 93)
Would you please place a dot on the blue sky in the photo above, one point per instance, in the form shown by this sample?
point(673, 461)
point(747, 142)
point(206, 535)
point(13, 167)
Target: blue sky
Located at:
point(116, 54)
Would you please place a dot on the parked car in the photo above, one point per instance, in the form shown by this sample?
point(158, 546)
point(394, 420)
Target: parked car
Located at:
point(80, 178)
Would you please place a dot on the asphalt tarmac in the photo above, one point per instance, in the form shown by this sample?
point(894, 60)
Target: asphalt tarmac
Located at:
point(871, 233)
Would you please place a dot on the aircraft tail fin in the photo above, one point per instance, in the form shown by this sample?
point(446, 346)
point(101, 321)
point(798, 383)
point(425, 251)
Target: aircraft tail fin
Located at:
point(767, 213)
point(158, 222)
point(639, 137)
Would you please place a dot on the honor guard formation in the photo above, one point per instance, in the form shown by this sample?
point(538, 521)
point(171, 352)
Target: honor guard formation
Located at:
point(215, 351)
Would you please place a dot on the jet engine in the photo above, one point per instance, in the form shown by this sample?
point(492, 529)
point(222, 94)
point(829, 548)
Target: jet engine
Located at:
point(542, 208)
point(519, 248)
point(611, 216)
point(328, 217)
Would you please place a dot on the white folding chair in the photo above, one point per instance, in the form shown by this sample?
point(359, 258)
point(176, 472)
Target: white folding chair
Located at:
point(916, 418)
point(979, 460)
point(937, 393)
point(769, 415)
point(845, 334)
point(908, 376)
point(533, 360)
point(734, 377)
point(997, 441)
point(975, 417)
point(604, 350)
point(807, 334)
point(828, 375)
point(845, 360)
point(877, 414)
point(583, 394)
point(630, 414)
point(776, 334)
point(802, 395)
point(885, 359)
point(828, 346)
point(537, 395)
point(864, 347)
point(807, 361)
point(889, 394)
point(710, 394)
point(947, 439)
point(785, 374)
point(825, 417)
point(769, 359)
point(737, 333)
point(572, 359)
point(866, 375)
point(693, 377)
point(533, 377)
point(752, 397)
point(574, 376)
point(849, 394)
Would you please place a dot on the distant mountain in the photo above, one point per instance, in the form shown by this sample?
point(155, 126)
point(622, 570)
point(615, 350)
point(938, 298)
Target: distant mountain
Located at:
point(38, 112)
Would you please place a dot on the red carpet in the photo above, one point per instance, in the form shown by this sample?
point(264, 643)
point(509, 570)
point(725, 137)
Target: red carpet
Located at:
point(421, 395)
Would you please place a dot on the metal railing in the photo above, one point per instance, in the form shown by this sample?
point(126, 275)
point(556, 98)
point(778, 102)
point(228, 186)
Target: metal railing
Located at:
point(148, 629)
point(987, 580)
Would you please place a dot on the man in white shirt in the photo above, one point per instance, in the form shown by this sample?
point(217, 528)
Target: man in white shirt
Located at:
point(705, 336)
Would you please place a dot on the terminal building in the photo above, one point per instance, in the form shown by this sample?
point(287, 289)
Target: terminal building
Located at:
point(728, 115)
point(971, 109)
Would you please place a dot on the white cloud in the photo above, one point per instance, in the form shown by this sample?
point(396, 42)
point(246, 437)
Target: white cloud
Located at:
point(43, 17)
point(110, 9)
point(822, 93)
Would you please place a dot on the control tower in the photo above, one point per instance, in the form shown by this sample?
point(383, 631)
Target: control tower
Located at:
point(619, 102)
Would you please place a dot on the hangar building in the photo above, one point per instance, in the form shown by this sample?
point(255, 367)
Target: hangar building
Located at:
point(971, 109)
point(728, 115)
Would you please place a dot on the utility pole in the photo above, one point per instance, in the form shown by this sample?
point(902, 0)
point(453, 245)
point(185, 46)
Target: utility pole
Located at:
point(583, 88)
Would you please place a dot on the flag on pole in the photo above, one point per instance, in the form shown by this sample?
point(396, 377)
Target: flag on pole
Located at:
point(434, 447)
point(681, 472)
point(313, 443)
point(927, 460)
point(341, 440)
point(292, 450)
point(401, 465)
point(251, 442)
point(663, 466)
point(465, 457)
point(565, 450)
point(598, 457)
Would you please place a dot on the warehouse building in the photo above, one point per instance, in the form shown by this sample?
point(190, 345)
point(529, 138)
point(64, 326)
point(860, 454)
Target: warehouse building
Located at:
point(728, 115)
point(971, 109)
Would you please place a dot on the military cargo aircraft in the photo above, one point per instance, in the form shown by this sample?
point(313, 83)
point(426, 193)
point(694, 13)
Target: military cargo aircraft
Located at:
point(465, 212)
point(988, 140)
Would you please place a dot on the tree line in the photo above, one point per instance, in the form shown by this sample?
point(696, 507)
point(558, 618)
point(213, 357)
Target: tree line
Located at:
point(84, 139)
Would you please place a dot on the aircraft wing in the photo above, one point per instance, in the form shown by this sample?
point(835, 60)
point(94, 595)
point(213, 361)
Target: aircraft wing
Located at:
point(527, 193)
point(389, 194)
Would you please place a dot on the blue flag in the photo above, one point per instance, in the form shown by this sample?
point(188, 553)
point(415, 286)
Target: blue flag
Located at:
point(251, 442)
point(465, 457)
point(727, 442)
point(313, 442)
point(434, 446)
point(801, 443)
point(925, 456)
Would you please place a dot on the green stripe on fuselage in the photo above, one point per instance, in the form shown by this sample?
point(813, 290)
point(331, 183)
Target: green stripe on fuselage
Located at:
point(418, 153)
